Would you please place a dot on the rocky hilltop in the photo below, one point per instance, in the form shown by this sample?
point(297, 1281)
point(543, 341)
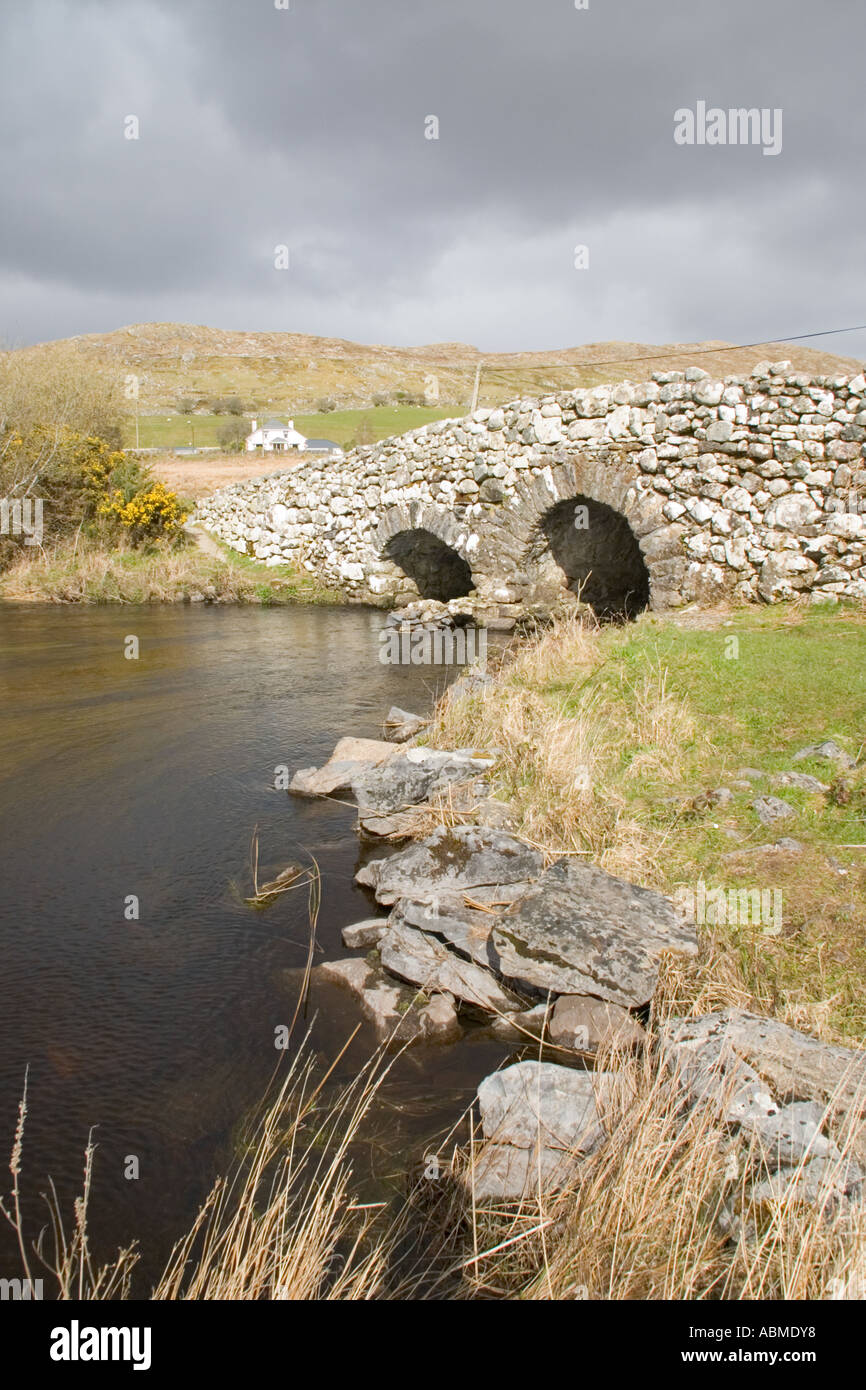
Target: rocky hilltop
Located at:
point(293, 371)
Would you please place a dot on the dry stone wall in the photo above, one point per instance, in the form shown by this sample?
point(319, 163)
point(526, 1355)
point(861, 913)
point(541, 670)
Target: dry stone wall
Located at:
point(677, 490)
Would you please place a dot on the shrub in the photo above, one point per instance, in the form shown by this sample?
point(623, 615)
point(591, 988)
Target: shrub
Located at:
point(54, 386)
point(325, 405)
point(186, 406)
point(85, 486)
point(232, 434)
point(149, 515)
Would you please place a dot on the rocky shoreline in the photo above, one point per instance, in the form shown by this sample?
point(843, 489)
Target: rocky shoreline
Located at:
point(562, 958)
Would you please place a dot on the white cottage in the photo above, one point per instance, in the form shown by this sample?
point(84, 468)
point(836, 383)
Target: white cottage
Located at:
point(274, 437)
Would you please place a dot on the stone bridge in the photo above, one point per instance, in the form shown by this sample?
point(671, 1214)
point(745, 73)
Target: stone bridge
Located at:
point(683, 489)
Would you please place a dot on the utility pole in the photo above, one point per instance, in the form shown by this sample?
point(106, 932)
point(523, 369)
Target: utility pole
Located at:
point(475, 387)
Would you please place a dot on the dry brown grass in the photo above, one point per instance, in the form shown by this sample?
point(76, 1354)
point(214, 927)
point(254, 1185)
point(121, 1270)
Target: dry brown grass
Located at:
point(82, 571)
point(283, 1225)
point(194, 478)
point(566, 774)
point(664, 1211)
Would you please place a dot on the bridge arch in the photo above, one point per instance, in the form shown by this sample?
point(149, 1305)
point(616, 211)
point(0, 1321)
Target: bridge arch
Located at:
point(430, 547)
point(587, 527)
point(596, 555)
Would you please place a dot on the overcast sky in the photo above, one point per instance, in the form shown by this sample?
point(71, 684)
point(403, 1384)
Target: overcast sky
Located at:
point(261, 126)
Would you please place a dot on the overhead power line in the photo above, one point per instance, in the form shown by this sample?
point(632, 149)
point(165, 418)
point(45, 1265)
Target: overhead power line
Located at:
point(685, 352)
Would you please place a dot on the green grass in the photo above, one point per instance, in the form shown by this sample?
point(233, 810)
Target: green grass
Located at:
point(794, 677)
point(661, 713)
point(180, 431)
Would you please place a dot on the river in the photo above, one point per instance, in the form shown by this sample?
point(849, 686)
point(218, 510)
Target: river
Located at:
point(148, 777)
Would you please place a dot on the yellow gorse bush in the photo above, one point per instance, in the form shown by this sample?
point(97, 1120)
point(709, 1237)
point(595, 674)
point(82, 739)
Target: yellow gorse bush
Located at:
point(156, 512)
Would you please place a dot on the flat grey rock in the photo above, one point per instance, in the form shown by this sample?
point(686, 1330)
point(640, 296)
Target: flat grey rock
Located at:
point(464, 927)
point(394, 1010)
point(791, 1133)
point(801, 780)
point(398, 825)
point(412, 775)
point(350, 758)
point(360, 936)
point(468, 928)
point(770, 809)
point(413, 955)
point(829, 750)
point(534, 1103)
point(461, 859)
point(579, 930)
point(334, 779)
point(823, 1180)
point(586, 1024)
point(506, 1173)
point(792, 1065)
point(380, 791)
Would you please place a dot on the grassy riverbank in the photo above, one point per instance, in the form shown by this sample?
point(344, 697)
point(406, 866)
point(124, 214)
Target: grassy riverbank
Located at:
point(86, 572)
point(615, 740)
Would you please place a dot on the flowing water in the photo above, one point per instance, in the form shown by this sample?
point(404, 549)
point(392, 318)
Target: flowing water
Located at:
point(148, 777)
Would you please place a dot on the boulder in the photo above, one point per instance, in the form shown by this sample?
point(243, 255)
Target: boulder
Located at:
point(350, 757)
point(401, 724)
point(823, 1181)
point(396, 1013)
point(586, 1024)
point(791, 1133)
point(539, 1102)
point(791, 1065)
point(504, 1173)
point(360, 936)
point(530, 1023)
point(538, 1119)
point(412, 775)
point(783, 574)
point(460, 859)
point(579, 930)
point(468, 928)
point(424, 961)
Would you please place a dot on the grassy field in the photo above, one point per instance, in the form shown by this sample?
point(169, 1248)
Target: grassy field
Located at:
point(182, 431)
point(615, 741)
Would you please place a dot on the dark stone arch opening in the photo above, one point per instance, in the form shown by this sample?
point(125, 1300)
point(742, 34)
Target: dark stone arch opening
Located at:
point(598, 552)
point(436, 568)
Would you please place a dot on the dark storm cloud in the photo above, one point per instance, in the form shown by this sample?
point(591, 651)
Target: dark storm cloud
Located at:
point(261, 126)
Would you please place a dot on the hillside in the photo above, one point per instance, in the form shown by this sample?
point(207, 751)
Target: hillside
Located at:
point(292, 372)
